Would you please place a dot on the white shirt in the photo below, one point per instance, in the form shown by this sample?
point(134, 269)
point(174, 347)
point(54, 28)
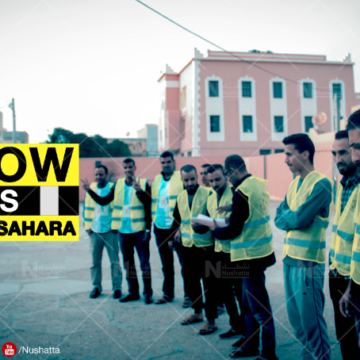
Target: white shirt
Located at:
point(102, 219)
point(126, 227)
point(163, 219)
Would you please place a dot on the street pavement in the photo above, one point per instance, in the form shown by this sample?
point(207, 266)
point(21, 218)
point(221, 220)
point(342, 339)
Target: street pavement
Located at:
point(44, 302)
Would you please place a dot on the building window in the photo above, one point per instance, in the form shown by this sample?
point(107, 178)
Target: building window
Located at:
point(246, 88)
point(189, 153)
point(337, 90)
point(279, 151)
point(247, 124)
point(277, 89)
point(279, 124)
point(213, 88)
point(182, 154)
point(265, 152)
point(214, 123)
point(308, 90)
point(308, 123)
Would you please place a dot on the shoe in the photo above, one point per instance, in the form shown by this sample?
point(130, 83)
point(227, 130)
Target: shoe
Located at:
point(117, 294)
point(241, 353)
point(163, 300)
point(231, 333)
point(220, 310)
point(148, 299)
point(130, 297)
point(95, 293)
point(186, 303)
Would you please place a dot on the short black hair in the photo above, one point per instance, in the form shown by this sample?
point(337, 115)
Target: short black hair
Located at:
point(342, 134)
point(354, 121)
point(302, 143)
point(129, 160)
point(205, 165)
point(215, 167)
point(235, 162)
point(188, 168)
point(166, 154)
point(104, 167)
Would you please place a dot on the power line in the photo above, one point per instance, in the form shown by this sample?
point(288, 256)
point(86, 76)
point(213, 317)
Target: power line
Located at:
point(253, 63)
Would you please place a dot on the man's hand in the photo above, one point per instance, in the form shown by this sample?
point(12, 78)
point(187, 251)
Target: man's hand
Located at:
point(196, 227)
point(171, 245)
point(177, 236)
point(89, 232)
point(85, 184)
point(213, 226)
point(136, 185)
point(147, 236)
point(224, 209)
point(344, 303)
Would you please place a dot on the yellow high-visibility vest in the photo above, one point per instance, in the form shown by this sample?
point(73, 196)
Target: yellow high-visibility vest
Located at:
point(199, 205)
point(89, 207)
point(176, 187)
point(355, 259)
point(137, 211)
point(255, 240)
point(342, 236)
point(307, 244)
point(226, 199)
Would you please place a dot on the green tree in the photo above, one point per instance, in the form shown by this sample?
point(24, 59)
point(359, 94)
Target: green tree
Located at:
point(90, 146)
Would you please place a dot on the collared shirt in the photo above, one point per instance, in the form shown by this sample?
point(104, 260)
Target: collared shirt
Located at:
point(102, 219)
point(349, 184)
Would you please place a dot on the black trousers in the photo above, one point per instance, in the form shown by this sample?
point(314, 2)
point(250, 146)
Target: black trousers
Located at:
point(229, 288)
point(127, 244)
point(199, 264)
point(345, 327)
point(162, 237)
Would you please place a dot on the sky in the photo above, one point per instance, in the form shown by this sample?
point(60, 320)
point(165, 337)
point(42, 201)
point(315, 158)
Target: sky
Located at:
point(92, 65)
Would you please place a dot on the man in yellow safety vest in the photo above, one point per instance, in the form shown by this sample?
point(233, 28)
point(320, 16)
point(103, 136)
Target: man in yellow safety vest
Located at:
point(342, 242)
point(97, 221)
point(251, 253)
point(304, 215)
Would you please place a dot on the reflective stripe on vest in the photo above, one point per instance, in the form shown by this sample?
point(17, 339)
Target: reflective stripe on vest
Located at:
point(137, 211)
point(89, 206)
point(255, 240)
point(176, 187)
point(343, 231)
point(307, 244)
point(226, 199)
point(199, 205)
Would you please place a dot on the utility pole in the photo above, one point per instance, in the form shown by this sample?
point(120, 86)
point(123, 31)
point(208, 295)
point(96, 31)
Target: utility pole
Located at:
point(12, 107)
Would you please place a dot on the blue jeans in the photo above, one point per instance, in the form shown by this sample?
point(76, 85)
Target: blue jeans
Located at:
point(305, 302)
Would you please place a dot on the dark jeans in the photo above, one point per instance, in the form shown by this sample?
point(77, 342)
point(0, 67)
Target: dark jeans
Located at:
point(257, 311)
point(229, 287)
point(127, 244)
point(199, 264)
point(162, 237)
point(345, 327)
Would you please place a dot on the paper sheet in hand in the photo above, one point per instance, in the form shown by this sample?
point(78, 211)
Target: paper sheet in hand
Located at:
point(207, 221)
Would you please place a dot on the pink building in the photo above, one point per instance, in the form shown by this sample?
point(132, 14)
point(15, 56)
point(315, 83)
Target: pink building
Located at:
point(218, 104)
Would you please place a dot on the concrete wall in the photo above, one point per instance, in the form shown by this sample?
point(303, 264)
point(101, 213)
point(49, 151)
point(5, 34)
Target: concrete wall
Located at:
point(277, 173)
